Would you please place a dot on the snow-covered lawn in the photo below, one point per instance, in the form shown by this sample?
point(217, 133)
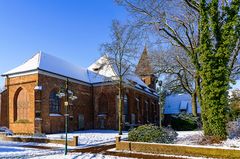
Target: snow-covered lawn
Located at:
point(17, 150)
point(86, 138)
point(89, 138)
point(194, 137)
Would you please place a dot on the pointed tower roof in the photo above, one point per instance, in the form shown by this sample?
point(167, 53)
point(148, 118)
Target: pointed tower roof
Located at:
point(144, 66)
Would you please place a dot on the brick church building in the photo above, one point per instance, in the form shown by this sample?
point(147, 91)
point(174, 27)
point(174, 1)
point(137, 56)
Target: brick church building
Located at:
point(30, 102)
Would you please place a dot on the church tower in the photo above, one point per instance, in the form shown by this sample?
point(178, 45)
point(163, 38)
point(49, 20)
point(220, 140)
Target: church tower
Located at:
point(145, 71)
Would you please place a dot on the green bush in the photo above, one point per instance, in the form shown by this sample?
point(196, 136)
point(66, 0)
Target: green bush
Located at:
point(151, 133)
point(184, 122)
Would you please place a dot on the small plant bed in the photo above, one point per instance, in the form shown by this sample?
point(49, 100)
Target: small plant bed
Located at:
point(155, 140)
point(197, 137)
point(154, 134)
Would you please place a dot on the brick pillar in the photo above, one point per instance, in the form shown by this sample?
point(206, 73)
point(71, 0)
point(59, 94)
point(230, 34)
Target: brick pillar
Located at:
point(38, 112)
point(75, 140)
point(118, 139)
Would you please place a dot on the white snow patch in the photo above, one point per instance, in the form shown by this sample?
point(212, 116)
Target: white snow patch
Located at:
point(52, 114)
point(38, 88)
point(192, 138)
point(5, 130)
point(16, 150)
point(89, 138)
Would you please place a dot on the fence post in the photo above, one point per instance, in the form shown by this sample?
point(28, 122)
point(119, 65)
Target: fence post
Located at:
point(118, 139)
point(75, 140)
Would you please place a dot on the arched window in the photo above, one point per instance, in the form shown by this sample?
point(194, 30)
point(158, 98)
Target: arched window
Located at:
point(54, 103)
point(102, 104)
point(21, 103)
point(126, 108)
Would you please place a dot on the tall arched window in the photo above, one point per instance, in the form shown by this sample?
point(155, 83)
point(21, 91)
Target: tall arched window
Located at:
point(21, 103)
point(102, 104)
point(126, 108)
point(54, 103)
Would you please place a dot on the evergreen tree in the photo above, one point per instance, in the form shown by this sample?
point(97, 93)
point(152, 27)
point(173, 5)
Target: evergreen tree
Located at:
point(212, 44)
point(219, 33)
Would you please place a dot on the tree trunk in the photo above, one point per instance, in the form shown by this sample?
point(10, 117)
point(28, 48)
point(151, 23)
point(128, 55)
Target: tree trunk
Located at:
point(120, 107)
point(194, 103)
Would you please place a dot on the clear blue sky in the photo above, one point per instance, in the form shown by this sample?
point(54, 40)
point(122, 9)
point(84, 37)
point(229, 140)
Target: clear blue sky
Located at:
point(70, 29)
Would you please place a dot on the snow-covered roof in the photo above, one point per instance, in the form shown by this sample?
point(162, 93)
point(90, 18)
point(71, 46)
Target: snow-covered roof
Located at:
point(91, 75)
point(176, 103)
point(104, 67)
point(46, 62)
point(52, 64)
point(184, 105)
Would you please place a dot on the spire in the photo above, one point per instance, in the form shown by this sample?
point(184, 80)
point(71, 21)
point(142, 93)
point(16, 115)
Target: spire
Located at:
point(144, 67)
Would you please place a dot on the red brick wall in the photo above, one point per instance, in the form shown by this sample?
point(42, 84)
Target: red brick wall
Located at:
point(87, 105)
point(28, 83)
point(111, 93)
point(133, 94)
point(83, 105)
point(4, 109)
point(111, 117)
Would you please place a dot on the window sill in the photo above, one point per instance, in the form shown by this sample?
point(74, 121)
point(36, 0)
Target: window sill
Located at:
point(55, 115)
point(102, 115)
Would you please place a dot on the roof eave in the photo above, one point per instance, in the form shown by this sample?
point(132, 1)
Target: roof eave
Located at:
point(9, 74)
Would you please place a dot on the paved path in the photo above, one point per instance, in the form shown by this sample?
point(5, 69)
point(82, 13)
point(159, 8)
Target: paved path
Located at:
point(103, 149)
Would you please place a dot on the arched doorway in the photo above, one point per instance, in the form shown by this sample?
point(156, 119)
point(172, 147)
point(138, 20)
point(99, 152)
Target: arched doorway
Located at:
point(21, 105)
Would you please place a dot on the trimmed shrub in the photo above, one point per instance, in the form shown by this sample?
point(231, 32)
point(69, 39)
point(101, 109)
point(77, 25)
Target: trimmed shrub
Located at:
point(184, 122)
point(151, 133)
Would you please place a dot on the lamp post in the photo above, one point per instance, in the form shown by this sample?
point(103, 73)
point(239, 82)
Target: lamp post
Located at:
point(65, 92)
point(160, 116)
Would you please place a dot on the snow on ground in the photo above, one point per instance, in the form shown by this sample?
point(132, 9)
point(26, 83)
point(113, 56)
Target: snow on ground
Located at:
point(86, 138)
point(79, 156)
point(16, 150)
point(234, 143)
point(194, 138)
point(189, 137)
point(89, 138)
